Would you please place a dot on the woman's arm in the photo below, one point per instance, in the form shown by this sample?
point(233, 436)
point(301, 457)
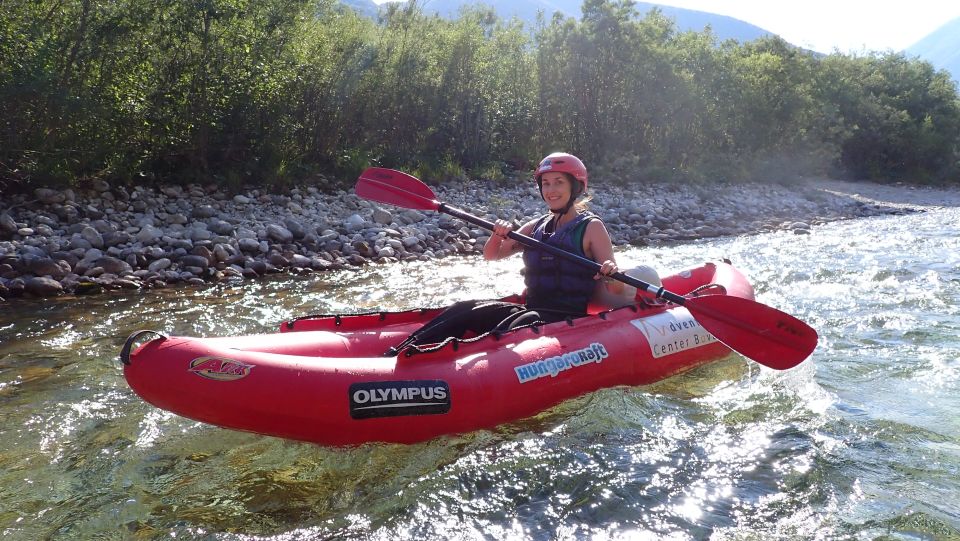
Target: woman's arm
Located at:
point(598, 247)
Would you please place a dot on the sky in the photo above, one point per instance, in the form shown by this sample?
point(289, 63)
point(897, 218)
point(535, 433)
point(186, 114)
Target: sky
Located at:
point(849, 26)
point(845, 25)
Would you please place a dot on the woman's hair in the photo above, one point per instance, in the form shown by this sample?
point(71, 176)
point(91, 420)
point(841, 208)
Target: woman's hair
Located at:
point(580, 205)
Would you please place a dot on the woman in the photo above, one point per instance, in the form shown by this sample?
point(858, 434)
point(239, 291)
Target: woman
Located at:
point(556, 288)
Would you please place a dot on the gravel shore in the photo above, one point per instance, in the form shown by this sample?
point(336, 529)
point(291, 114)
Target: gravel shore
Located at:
point(110, 237)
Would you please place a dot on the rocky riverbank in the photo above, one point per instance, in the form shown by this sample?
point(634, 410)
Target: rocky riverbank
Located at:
point(113, 237)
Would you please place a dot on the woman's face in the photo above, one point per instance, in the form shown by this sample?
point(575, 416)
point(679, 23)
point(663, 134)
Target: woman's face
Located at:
point(556, 189)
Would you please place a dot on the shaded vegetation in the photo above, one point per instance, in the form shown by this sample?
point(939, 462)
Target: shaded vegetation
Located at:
point(275, 91)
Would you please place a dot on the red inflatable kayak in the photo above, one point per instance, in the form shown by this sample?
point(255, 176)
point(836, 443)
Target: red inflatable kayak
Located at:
point(325, 379)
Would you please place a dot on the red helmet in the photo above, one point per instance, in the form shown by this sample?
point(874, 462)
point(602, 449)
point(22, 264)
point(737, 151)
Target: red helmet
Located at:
point(562, 162)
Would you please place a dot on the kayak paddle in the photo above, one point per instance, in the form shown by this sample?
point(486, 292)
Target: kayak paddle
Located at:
point(754, 330)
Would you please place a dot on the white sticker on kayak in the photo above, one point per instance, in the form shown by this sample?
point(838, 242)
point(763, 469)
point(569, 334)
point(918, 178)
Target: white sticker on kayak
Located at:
point(672, 332)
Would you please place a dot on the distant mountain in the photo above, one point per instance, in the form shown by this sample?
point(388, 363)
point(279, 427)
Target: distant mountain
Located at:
point(723, 27)
point(941, 48)
point(364, 7)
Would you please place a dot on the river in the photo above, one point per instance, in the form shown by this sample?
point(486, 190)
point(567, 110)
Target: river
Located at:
point(860, 441)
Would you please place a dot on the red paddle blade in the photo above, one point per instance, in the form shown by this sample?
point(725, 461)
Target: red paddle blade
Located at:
point(754, 330)
point(395, 188)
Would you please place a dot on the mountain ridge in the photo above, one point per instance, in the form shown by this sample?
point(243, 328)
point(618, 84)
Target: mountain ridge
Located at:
point(723, 27)
point(941, 48)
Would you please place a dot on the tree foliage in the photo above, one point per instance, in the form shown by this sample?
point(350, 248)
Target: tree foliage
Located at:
point(273, 90)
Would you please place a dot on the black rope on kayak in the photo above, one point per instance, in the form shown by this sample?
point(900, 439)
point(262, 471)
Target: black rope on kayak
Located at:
point(569, 320)
point(422, 310)
point(339, 317)
point(412, 349)
point(128, 344)
point(409, 350)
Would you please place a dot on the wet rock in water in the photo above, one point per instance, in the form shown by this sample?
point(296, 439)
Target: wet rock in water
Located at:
point(203, 252)
point(277, 260)
point(363, 248)
point(159, 265)
point(356, 260)
point(221, 253)
point(46, 266)
point(258, 266)
point(124, 283)
point(113, 265)
point(799, 228)
point(87, 287)
point(42, 286)
point(298, 260)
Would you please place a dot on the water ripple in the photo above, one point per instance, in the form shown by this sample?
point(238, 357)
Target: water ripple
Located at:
point(861, 441)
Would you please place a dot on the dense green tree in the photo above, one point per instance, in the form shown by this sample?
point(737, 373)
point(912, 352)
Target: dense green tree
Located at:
point(275, 90)
point(903, 121)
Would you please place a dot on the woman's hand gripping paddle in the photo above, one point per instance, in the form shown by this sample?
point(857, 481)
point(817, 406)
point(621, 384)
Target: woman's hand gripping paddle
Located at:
point(754, 330)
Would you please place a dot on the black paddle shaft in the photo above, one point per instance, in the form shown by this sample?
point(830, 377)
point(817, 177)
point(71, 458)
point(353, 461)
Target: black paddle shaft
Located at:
point(658, 292)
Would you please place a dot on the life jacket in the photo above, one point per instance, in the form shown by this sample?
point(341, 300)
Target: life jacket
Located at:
point(555, 283)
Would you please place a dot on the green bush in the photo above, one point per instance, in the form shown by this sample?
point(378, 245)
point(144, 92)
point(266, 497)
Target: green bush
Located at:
point(272, 91)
